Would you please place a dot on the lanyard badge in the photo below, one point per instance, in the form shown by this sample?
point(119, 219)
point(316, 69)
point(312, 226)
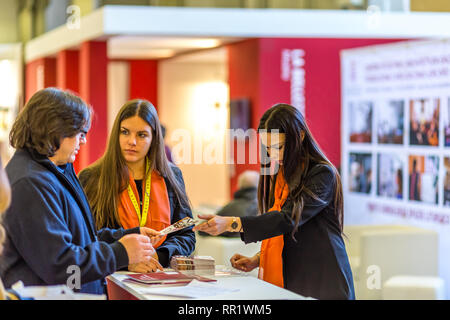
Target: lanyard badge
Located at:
point(142, 217)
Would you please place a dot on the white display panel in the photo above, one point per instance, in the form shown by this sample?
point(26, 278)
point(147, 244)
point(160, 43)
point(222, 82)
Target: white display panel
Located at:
point(396, 138)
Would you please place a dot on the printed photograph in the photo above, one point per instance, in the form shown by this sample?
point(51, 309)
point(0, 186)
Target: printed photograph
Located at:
point(446, 118)
point(423, 178)
point(390, 122)
point(447, 181)
point(390, 176)
point(361, 114)
point(424, 122)
point(360, 172)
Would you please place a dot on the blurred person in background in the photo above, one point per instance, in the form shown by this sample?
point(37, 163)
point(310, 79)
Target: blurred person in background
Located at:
point(166, 147)
point(245, 200)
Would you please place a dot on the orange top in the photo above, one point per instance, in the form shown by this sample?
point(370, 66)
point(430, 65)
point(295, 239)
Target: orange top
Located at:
point(158, 216)
point(271, 260)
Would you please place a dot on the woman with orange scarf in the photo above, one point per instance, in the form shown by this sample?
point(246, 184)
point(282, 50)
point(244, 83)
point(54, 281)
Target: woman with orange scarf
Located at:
point(301, 220)
point(134, 185)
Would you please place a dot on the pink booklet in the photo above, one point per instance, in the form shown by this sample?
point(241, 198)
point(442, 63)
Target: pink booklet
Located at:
point(166, 277)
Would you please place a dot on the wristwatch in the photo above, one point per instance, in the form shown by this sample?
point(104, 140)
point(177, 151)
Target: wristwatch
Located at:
point(234, 224)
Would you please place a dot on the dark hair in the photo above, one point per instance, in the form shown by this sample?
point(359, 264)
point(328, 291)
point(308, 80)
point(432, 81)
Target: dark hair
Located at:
point(49, 115)
point(299, 156)
point(109, 176)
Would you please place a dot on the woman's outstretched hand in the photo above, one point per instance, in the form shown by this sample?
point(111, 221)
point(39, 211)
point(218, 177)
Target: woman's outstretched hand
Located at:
point(214, 225)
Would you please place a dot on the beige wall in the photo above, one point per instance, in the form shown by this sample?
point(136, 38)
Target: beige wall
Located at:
point(9, 21)
point(166, 2)
point(118, 89)
point(213, 3)
point(430, 5)
point(187, 94)
point(86, 6)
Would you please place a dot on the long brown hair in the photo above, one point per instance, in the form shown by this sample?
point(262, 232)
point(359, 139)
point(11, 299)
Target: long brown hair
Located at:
point(298, 158)
point(109, 175)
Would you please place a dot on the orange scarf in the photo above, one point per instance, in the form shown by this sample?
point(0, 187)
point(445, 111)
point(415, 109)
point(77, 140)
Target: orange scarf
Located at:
point(271, 260)
point(159, 207)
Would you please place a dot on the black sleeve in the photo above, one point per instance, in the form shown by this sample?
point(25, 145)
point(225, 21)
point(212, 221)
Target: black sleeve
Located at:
point(183, 241)
point(111, 235)
point(271, 224)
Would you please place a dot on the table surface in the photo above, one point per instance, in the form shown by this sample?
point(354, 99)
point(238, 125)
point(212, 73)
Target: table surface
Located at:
point(249, 288)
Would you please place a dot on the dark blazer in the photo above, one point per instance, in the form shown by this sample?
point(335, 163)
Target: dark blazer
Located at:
point(176, 243)
point(49, 228)
point(315, 263)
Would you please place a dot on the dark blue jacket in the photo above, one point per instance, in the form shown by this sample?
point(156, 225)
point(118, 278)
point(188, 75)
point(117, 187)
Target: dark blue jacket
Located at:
point(315, 262)
point(50, 228)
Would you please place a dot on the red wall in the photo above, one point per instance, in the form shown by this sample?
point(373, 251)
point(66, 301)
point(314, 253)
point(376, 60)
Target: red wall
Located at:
point(255, 72)
point(143, 80)
point(84, 72)
point(93, 89)
point(34, 80)
point(67, 70)
point(244, 82)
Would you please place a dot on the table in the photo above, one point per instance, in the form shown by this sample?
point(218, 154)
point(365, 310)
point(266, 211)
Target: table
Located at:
point(250, 288)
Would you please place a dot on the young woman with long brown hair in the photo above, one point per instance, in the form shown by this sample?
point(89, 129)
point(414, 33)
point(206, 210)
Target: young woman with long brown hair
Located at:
point(300, 198)
point(134, 184)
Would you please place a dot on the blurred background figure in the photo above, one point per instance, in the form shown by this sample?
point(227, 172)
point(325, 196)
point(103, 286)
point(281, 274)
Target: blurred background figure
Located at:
point(244, 203)
point(167, 148)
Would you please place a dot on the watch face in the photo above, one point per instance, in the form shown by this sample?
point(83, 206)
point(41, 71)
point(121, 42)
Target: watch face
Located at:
point(234, 225)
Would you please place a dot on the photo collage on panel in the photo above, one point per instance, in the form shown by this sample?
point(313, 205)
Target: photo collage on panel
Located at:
point(405, 147)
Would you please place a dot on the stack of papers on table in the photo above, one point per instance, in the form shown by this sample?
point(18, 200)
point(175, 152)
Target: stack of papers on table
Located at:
point(166, 278)
point(195, 289)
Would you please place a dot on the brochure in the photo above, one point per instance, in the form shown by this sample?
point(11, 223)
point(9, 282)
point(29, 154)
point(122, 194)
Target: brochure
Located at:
point(166, 277)
point(181, 224)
